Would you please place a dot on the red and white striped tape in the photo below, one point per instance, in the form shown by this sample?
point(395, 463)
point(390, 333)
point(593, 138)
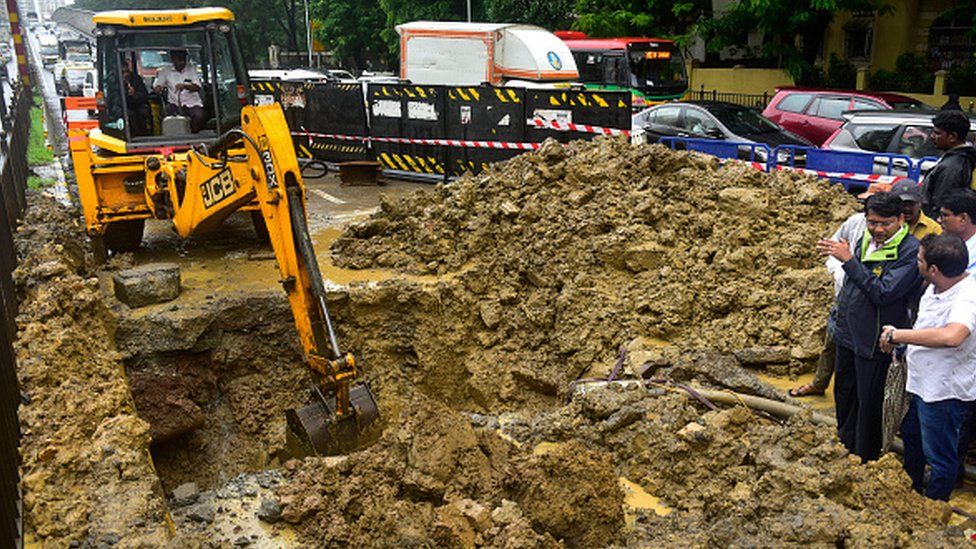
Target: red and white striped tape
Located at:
point(570, 127)
point(533, 122)
point(423, 141)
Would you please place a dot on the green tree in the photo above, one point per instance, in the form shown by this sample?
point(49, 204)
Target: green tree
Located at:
point(552, 15)
point(259, 23)
point(792, 30)
point(350, 29)
point(666, 18)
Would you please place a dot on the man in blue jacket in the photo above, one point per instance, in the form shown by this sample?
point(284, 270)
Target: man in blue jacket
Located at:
point(881, 283)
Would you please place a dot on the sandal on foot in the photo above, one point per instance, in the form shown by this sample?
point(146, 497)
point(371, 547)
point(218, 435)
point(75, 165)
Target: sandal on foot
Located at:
point(805, 390)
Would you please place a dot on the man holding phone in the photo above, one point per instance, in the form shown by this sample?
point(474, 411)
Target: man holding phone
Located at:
point(182, 85)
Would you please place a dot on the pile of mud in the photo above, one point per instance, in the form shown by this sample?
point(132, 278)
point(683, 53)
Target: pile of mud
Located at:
point(556, 259)
point(87, 475)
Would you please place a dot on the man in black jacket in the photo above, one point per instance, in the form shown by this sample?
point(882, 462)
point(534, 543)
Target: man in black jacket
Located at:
point(881, 282)
point(954, 170)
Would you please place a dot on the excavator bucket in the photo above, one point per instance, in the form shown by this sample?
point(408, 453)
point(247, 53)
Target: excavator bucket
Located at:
point(316, 430)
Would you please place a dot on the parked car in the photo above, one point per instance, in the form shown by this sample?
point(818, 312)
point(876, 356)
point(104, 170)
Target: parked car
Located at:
point(892, 132)
point(712, 120)
point(817, 113)
point(342, 75)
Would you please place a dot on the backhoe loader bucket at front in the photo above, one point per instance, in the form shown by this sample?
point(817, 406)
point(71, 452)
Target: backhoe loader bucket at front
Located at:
point(317, 430)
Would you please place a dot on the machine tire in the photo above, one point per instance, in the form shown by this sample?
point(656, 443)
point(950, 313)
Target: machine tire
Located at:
point(260, 228)
point(124, 236)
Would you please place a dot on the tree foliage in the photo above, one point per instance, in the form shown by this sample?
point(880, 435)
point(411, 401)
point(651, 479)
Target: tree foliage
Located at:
point(260, 23)
point(350, 30)
point(552, 15)
point(665, 18)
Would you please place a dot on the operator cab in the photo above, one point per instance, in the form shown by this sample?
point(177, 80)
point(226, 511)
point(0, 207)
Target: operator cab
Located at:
point(139, 52)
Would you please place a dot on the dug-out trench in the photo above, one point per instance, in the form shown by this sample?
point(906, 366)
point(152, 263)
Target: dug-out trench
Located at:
point(214, 378)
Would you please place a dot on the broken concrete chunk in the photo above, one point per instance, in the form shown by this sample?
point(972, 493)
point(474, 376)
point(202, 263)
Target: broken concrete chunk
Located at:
point(269, 511)
point(184, 494)
point(147, 284)
point(763, 355)
point(203, 512)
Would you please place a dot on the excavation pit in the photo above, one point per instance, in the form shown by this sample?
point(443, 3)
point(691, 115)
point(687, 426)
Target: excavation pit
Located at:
point(481, 314)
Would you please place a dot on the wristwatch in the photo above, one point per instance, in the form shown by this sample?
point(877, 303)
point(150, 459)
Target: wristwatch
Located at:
point(891, 337)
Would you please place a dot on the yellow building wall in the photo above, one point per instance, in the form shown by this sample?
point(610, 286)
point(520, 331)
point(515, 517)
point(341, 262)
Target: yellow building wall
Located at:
point(904, 30)
point(738, 80)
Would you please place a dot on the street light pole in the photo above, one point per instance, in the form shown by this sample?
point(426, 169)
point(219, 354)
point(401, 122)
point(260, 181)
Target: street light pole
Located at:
point(469, 11)
point(308, 34)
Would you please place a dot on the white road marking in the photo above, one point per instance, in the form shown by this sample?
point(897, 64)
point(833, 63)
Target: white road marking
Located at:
point(327, 196)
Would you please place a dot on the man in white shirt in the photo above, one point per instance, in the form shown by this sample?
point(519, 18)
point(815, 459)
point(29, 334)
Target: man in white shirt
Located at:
point(958, 217)
point(941, 365)
point(182, 85)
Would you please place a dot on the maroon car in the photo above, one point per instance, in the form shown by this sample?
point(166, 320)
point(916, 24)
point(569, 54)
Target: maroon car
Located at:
point(817, 113)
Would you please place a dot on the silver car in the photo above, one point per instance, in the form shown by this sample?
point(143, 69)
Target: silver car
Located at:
point(894, 132)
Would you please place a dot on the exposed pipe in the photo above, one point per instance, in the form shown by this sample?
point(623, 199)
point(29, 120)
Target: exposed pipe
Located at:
point(772, 407)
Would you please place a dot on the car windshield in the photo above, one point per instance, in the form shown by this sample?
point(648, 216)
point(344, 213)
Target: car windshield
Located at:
point(742, 120)
point(79, 57)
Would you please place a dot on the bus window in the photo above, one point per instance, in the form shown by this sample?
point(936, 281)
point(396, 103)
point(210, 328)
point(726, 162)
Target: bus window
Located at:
point(590, 65)
point(614, 70)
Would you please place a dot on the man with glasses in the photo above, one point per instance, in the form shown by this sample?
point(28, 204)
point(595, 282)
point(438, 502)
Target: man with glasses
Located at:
point(954, 170)
point(881, 282)
point(919, 226)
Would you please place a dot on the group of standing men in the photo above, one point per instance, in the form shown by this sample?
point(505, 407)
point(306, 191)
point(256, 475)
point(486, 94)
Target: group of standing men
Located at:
point(903, 279)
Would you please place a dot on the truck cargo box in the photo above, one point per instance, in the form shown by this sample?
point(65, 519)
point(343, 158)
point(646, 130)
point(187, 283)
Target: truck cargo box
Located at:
point(451, 53)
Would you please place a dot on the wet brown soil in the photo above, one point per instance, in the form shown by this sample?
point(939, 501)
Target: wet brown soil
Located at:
point(88, 478)
point(487, 298)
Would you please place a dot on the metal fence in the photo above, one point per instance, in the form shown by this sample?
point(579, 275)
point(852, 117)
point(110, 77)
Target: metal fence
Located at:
point(13, 201)
point(757, 100)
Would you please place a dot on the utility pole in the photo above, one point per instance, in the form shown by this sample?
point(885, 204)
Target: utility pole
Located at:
point(469, 10)
point(308, 34)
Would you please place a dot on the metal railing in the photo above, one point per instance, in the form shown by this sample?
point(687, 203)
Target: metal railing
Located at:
point(756, 100)
point(854, 170)
point(13, 202)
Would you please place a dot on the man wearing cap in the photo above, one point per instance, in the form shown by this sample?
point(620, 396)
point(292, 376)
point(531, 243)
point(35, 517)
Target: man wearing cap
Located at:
point(919, 226)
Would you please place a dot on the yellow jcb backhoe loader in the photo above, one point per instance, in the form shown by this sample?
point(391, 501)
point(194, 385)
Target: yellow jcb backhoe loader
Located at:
point(194, 150)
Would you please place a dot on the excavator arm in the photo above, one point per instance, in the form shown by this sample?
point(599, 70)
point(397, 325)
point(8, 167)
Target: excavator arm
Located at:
point(258, 162)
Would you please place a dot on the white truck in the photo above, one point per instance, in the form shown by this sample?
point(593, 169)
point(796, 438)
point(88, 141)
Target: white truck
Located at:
point(48, 45)
point(469, 54)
